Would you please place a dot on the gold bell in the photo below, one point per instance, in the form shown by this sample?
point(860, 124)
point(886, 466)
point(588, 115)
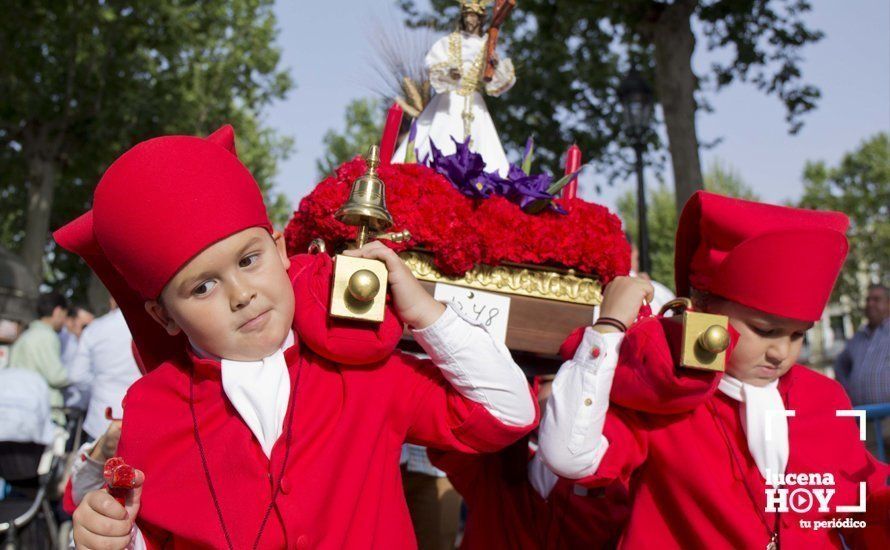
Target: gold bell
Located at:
point(356, 290)
point(366, 206)
point(705, 336)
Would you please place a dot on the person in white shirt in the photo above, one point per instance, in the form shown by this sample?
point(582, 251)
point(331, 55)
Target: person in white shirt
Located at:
point(103, 368)
point(25, 415)
point(77, 320)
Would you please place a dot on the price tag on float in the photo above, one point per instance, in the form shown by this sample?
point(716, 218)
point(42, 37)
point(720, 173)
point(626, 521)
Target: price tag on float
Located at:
point(490, 309)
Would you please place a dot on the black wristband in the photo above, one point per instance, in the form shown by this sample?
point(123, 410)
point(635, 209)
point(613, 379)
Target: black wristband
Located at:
point(612, 322)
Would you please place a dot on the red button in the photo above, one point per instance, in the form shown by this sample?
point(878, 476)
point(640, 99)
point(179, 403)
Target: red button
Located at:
point(595, 352)
point(285, 486)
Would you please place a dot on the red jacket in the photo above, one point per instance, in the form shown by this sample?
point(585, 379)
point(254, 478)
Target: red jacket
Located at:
point(688, 469)
point(504, 510)
point(336, 466)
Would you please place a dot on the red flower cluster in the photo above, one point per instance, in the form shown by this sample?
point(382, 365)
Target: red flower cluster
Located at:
point(462, 232)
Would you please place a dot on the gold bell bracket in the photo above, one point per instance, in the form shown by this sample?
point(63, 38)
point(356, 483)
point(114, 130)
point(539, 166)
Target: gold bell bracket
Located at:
point(356, 292)
point(705, 337)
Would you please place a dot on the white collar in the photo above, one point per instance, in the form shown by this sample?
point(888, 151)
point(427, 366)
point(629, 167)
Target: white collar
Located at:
point(260, 392)
point(764, 420)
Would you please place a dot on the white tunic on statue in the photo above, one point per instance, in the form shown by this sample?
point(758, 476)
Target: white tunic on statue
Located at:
point(444, 117)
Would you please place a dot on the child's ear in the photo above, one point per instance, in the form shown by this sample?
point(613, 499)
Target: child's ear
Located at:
point(160, 315)
point(282, 249)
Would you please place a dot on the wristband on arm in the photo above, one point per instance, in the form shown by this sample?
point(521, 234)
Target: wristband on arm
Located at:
point(611, 322)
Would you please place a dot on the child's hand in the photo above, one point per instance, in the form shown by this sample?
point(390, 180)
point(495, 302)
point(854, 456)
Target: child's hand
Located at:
point(413, 304)
point(101, 522)
point(622, 300)
point(106, 446)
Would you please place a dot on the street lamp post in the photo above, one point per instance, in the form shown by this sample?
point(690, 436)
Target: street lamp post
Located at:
point(636, 100)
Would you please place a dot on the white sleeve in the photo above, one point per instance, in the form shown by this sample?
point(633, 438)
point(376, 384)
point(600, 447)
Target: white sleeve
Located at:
point(571, 436)
point(540, 476)
point(478, 367)
point(504, 78)
point(137, 542)
point(86, 474)
point(439, 65)
point(80, 371)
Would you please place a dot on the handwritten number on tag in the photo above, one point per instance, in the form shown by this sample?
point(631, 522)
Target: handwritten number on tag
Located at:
point(481, 310)
point(486, 309)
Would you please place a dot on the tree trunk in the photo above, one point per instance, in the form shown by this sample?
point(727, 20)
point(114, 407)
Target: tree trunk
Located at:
point(675, 84)
point(43, 172)
point(97, 295)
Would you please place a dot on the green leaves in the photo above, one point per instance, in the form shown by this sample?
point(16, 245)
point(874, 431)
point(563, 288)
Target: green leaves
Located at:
point(557, 185)
point(363, 126)
point(860, 187)
point(570, 56)
point(90, 79)
point(662, 215)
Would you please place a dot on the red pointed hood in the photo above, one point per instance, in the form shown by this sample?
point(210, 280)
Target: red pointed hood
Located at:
point(155, 208)
point(747, 252)
point(167, 199)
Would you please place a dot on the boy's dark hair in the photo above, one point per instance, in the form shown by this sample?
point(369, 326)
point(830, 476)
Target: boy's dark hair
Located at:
point(48, 302)
point(75, 309)
point(703, 300)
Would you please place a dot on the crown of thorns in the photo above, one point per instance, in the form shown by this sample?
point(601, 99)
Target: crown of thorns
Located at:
point(474, 6)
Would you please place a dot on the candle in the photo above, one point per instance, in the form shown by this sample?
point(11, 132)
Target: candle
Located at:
point(573, 163)
point(390, 133)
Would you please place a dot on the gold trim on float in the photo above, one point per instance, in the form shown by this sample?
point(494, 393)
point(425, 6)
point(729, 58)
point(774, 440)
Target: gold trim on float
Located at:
point(512, 279)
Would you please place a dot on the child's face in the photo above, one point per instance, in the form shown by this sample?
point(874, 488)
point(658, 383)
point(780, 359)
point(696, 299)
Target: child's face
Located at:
point(768, 345)
point(234, 300)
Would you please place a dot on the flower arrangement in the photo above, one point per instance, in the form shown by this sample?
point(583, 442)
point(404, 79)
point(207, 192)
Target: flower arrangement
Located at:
point(465, 169)
point(463, 228)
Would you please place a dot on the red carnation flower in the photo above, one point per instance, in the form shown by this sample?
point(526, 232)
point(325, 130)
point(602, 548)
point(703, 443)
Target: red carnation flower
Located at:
point(462, 232)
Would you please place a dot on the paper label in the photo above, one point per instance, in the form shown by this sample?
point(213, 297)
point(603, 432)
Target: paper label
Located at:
point(487, 308)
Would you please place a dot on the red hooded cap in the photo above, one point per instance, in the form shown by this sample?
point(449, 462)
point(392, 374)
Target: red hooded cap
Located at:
point(776, 259)
point(159, 205)
point(169, 198)
point(174, 196)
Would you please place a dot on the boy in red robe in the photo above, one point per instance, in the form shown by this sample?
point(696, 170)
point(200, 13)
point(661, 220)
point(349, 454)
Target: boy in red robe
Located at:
point(734, 460)
point(262, 422)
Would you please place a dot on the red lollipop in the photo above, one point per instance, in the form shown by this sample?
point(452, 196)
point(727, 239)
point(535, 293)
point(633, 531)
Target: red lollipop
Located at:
point(120, 477)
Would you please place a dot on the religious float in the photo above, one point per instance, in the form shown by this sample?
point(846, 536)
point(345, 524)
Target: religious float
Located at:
point(514, 249)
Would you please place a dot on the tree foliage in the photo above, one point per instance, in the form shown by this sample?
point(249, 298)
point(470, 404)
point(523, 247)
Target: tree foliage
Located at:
point(88, 80)
point(662, 216)
point(570, 56)
point(363, 126)
point(859, 186)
